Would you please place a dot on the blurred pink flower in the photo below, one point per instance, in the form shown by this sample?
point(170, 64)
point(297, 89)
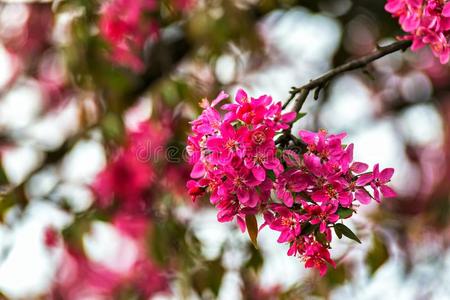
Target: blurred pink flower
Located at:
point(125, 179)
point(51, 237)
point(130, 175)
point(79, 277)
point(125, 27)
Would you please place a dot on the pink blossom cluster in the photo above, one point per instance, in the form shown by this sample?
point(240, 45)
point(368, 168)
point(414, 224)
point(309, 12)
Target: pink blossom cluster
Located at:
point(234, 155)
point(126, 189)
point(128, 179)
point(127, 25)
point(427, 22)
point(318, 187)
point(124, 27)
point(238, 164)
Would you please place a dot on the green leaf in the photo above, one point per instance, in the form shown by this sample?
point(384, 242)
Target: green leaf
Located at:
point(255, 260)
point(299, 116)
point(336, 276)
point(321, 238)
point(165, 239)
point(73, 234)
point(252, 228)
point(271, 175)
point(208, 277)
point(3, 176)
point(377, 255)
point(341, 229)
point(113, 127)
point(6, 202)
point(338, 232)
point(345, 213)
point(308, 228)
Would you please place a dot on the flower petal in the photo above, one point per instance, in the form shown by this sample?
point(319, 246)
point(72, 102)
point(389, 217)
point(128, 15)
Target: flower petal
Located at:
point(386, 174)
point(364, 179)
point(219, 98)
point(243, 195)
point(359, 167)
point(362, 196)
point(289, 117)
point(198, 170)
point(320, 196)
point(388, 192)
point(446, 10)
point(241, 96)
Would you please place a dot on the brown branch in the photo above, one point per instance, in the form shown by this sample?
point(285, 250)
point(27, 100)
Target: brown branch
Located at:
point(162, 57)
point(301, 93)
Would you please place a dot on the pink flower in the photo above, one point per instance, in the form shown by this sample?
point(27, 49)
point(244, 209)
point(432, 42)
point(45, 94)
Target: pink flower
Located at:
point(229, 144)
point(257, 111)
point(312, 252)
point(78, 277)
point(125, 178)
point(358, 191)
point(325, 147)
point(321, 214)
point(195, 190)
point(242, 183)
point(379, 183)
point(232, 154)
point(235, 161)
point(210, 120)
point(249, 110)
point(261, 154)
point(427, 22)
point(287, 222)
point(51, 237)
point(129, 176)
point(122, 25)
point(260, 161)
point(290, 182)
point(407, 11)
point(318, 257)
point(279, 120)
point(335, 193)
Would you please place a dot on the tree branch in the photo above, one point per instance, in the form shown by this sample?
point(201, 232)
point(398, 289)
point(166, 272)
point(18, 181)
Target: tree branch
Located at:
point(320, 81)
point(161, 58)
point(301, 93)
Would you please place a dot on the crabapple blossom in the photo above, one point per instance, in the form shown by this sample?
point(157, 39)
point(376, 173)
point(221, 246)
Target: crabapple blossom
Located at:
point(127, 25)
point(302, 192)
point(125, 29)
point(427, 22)
point(232, 155)
point(80, 277)
point(128, 177)
point(286, 221)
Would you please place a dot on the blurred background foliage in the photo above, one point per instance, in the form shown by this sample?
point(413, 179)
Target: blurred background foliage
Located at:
point(64, 107)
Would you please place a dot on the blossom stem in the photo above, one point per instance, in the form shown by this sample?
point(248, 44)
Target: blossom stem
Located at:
point(301, 93)
point(318, 83)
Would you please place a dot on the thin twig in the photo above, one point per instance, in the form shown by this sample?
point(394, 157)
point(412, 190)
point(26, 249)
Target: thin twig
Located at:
point(322, 80)
point(301, 93)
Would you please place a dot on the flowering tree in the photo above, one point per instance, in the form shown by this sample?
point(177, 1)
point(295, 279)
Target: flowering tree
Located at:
point(126, 76)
